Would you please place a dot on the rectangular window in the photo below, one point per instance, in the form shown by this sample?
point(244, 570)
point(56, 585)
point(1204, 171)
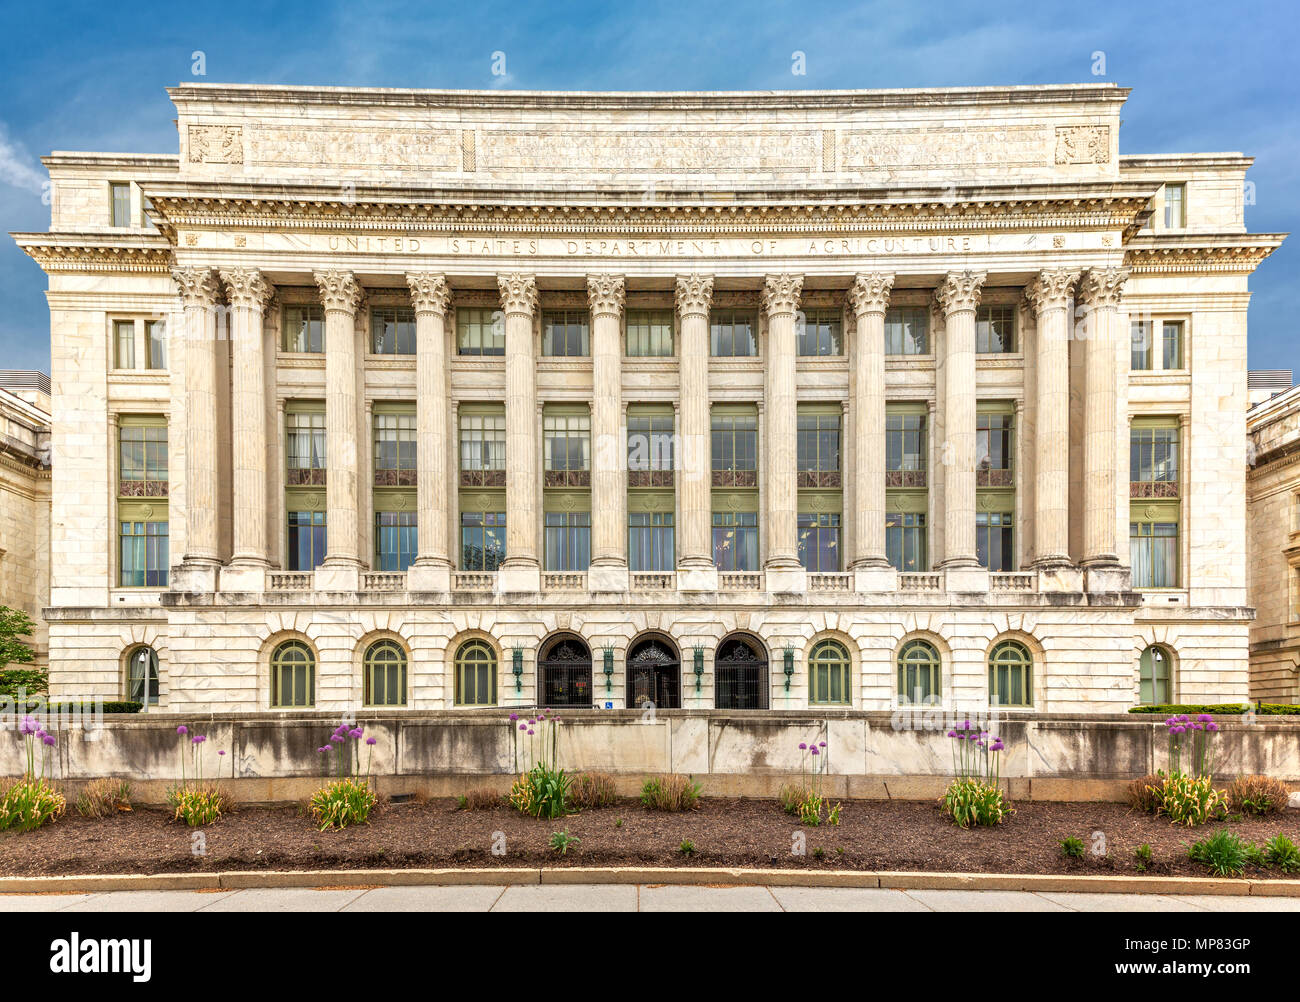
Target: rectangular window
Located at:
point(905, 541)
point(306, 540)
point(392, 331)
point(395, 463)
point(568, 540)
point(994, 445)
point(819, 541)
point(819, 332)
point(731, 334)
point(906, 448)
point(1143, 340)
point(156, 343)
point(650, 449)
point(566, 449)
point(396, 540)
point(994, 542)
point(1153, 550)
point(735, 540)
point(1175, 206)
point(1153, 461)
point(142, 460)
point(304, 433)
point(1171, 343)
point(123, 344)
point(480, 331)
point(304, 329)
point(120, 193)
point(144, 559)
point(483, 449)
point(995, 330)
point(818, 449)
point(649, 333)
point(734, 448)
point(566, 333)
point(650, 541)
point(482, 540)
point(907, 331)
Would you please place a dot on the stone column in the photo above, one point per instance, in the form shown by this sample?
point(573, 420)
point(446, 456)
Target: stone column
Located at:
point(430, 296)
point(1049, 297)
point(341, 296)
point(200, 291)
point(521, 570)
point(1101, 289)
point(608, 571)
point(957, 296)
point(695, 568)
point(248, 292)
point(780, 468)
point(869, 298)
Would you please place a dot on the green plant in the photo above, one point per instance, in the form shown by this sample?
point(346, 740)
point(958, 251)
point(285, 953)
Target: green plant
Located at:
point(1227, 709)
point(18, 683)
point(198, 804)
point(1193, 738)
point(343, 802)
point(1255, 856)
point(1282, 853)
point(1146, 794)
point(1257, 795)
point(593, 789)
point(819, 853)
point(810, 810)
point(618, 822)
point(541, 792)
point(1190, 800)
point(102, 798)
point(30, 803)
point(834, 817)
point(971, 801)
point(790, 797)
point(672, 792)
point(687, 848)
point(561, 841)
point(1072, 847)
point(1143, 855)
point(1223, 853)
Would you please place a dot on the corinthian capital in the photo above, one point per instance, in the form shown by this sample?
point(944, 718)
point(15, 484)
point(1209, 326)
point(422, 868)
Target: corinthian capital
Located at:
point(781, 294)
point(870, 293)
point(429, 292)
point(339, 291)
point(199, 287)
point(959, 291)
point(1102, 288)
point(518, 294)
point(694, 294)
point(1050, 290)
point(605, 294)
point(247, 287)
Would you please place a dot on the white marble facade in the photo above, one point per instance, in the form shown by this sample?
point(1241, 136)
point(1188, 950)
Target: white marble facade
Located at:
point(962, 207)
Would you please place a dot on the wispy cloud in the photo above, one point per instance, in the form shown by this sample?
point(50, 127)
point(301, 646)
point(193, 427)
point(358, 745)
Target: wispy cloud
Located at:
point(19, 168)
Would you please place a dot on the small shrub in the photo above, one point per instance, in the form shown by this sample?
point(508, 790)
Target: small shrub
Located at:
point(618, 822)
point(1281, 852)
point(479, 800)
point(819, 853)
point(670, 793)
point(810, 811)
point(561, 841)
point(593, 789)
point(30, 803)
point(1255, 856)
point(1072, 847)
point(1223, 853)
point(198, 805)
point(542, 791)
point(687, 848)
point(972, 801)
point(102, 798)
point(1191, 800)
point(1143, 855)
point(1146, 794)
point(833, 818)
point(791, 797)
point(1257, 795)
point(343, 802)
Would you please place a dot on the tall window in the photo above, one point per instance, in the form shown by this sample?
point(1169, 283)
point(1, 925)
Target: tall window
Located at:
point(1158, 345)
point(905, 541)
point(735, 447)
point(392, 331)
point(994, 449)
point(819, 332)
point(735, 540)
point(1153, 549)
point(731, 334)
point(907, 331)
point(142, 459)
point(568, 540)
point(480, 332)
point(483, 449)
point(482, 539)
point(304, 328)
point(818, 449)
point(819, 541)
point(383, 679)
point(994, 541)
point(293, 675)
point(396, 540)
point(828, 675)
point(306, 539)
point(1175, 206)
point(476, 674)
point(650, 449)
point(155, 343)
point(1171, 344)
point(566, 333)
point(1155, 677)
point(1142, 343)
point(649, 333)
point(566, 448)
point(650, 541)
point(142, 676)
point(918, 673)
point(142, 508)
point(304, 432)
point(1153, 461)
point(144, 553)
point(395, 464)
point(906, 448)
point(120, 198)
point(995, 330)
point(123, 344)
point(1010, 671)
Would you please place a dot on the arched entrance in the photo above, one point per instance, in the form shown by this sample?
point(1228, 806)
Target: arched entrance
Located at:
point(740, 674)
point(654, 673)
point(564, 673)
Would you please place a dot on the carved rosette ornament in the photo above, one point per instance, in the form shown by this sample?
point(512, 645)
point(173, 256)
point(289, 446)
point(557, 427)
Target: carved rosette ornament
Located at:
point(429, 292)
point(199, 287)
point(518, 294)
point(1050, 290)
point(247, 288)
point(870, 293)
point(781, 294)
point(339, 291)
point(959, 292)
point(1103, 288)
point(605, 294)
point(694, 294)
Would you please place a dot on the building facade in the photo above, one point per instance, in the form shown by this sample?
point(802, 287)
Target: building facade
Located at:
point(733, 400)
point(25, 500)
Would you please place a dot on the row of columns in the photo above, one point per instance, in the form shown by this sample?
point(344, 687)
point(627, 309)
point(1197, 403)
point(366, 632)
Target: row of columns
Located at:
point(1048, 297)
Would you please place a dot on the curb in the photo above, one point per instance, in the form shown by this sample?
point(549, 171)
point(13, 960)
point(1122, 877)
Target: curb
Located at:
point(700, 876)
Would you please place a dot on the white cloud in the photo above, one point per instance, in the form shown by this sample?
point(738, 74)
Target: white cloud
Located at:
point(17, 167)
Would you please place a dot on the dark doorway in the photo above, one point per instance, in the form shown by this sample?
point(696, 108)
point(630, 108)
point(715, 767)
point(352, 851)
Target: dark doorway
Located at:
point(564, 673)
point(654, 674)
point(740, 675)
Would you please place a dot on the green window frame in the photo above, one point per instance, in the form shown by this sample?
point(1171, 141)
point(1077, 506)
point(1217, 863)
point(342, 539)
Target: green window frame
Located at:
point(1175, 206)
point(303, 329)
point(305, 454)
point(566, 333)
point(483, 534)
point(818, 445)
point(307, 537)
point(995, 445)
point(651, 534)
point(1155, 676)
point(819, 540)
point(907, 532)
point(1142, 343)
point(733, 334)
point(819, 333)
point(567, 536)
point(395, 462)
point(392, 330)
point(142, 676)
point(995, 541)
point(650, 447)
point(907, 446)
point(1011, 669)
point(1155, 544)
point(920, 673)
point(566, 440)
point(383, 678)
point(1154, 458)
point(123, 344)
point(476, 674)
point(830, 674)
point(734, 445)
point(483, 442)
point(1171, 344)
point(119, 194)
point(293, 676)
point(142, 457)
point(397, 534)
point(143, 544)
point(995, 330)
point(907, 330)
point(649, 333)
point(155, 344)
point(480, 331)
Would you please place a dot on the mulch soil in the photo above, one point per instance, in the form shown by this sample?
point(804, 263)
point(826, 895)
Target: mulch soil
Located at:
point(872, 835)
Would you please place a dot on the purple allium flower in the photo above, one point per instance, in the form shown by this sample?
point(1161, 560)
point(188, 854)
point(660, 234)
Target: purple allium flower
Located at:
point(803, 746)
point(952, 734)
point(514, 717)
point(966, 726)
point(371, 741)
point(182, 729)
point(198, 739)
point(523, 727)
point(815, 751)
point(221, 751)
point(1211, 726)
point(336, 739)
point(821, 744)
point(48, 739)
point(530, 733)
point(325, 749)
point(355, 733)
point(29, 725)
point(998, 745)
point(1180, 730)
point(1205, 718)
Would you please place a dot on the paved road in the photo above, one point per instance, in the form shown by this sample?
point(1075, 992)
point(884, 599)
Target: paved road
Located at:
point(627, 898)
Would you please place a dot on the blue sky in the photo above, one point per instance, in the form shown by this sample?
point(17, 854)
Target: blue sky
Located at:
point(1206, 77)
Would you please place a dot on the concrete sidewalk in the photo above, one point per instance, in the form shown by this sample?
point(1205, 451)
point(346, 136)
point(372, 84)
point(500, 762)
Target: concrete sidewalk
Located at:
point(628, 898)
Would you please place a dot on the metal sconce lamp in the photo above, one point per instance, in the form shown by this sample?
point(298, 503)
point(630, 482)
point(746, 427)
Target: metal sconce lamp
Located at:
point(517, 657)
point(609, 668)
point(699, 667)
point(789, 667)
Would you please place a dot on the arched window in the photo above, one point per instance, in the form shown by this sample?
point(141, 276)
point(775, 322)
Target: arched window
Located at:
point(740, 675)
point(918, 672)
point(383, 680)
point(293, 675)
point(564, 677)
point(1010, 669)
point(142, 676)
point(476, 674)
point(653, 675)
point(1155, 678)
point(828, 674)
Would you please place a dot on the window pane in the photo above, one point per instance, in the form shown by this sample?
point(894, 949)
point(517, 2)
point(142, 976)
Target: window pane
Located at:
point(121, 199)
point(392, 331)
point(1141, 336)
point(480, 331)
point(907, 331)
point(124, 344)
point(731, 334)
point(156, 336)
point(649, 333)
point(304, 329)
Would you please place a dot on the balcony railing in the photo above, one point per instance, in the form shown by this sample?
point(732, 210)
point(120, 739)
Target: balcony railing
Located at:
point(653, 580)
point(1014, 581)
point(290, 581)
point(819, 478)
point(988, 477)
point(920, 582)
point(482, 478)
point(383, 581)
point(906, 478)
point(830, 582)
point(474, 581)
point(1158, 489)
point(564, 581)
point(650, 478)
point(740, 581)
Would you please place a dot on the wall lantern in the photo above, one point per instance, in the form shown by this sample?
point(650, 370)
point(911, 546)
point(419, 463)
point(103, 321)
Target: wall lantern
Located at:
point(789, 667)
point(517, 657)
point(609, 668)
point(699, 667)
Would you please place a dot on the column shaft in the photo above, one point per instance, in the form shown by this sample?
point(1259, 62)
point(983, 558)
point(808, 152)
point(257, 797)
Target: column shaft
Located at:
point(342, 297)
point(248, 292)
point(869, 298)
point(519, 303)
point(199, 292)
point(958, 297)
point(605, 295)
point(780, 432)
point(694, 552)
point(429, 298)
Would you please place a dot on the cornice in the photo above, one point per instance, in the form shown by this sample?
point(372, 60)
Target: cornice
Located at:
point(91, 253)
point(1230, 252)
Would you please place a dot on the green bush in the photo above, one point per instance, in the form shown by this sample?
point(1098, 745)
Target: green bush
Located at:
point(102, 798)
point(344, 802)
point(1072, 847)
point(1143, 855)
point(1191, 800)
point(560, 842)
point(972, 801)
point(790, 797)
point(1224, 853)
point(670, 793)
point(1281, 852)
point(30, 803)
point(198, 804)
point(84, 707)
point(542, 792)
point(1231, 709)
